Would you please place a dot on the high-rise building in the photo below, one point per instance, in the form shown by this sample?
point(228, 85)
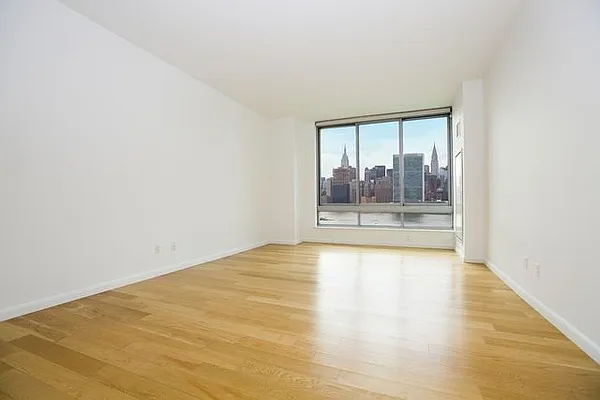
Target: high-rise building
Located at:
point(340, 193)
point(344, 173)
point(389, 172)
point(367, 189)
point(427, 170)
point(345, 161)
point(396, 179)
point(326, 197)
point(413, 177)
point(435, 167)
point(353, 187)
point(431, 187)
point(376, 172)
point(383, 190)
point(338, 187)
point(444, 173)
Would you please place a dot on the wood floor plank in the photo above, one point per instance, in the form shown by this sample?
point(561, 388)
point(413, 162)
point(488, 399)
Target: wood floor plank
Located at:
point(58, 354)
point(138, 386)
point(38, 329)
point(559, 350)
point(10, 332)
point(4, 367)
point(62, 379)
point(305, 386)
point(112, 311)
point(20, 386)
point(312, 321)
point(4, 396)
point(6, 349)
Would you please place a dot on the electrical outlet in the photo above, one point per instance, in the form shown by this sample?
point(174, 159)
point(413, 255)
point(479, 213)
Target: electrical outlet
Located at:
point(156, 249)
point(173, 246)
point(526, 264)
point(537, 269)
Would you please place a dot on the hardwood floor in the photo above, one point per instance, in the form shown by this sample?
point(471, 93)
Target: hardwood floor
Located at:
point(309, 322)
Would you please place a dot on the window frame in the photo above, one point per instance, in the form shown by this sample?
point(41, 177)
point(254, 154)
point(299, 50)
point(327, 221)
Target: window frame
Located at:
point(445, 207)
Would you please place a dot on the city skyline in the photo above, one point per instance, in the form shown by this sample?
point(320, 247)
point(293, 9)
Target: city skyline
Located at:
point(379, 142)
point(433, 167)
point(421, 183)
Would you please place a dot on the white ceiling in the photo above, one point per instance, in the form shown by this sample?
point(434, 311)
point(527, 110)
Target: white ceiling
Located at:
point(317, 59)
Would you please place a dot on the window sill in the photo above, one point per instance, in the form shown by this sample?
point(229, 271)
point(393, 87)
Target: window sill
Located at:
point(382, 228)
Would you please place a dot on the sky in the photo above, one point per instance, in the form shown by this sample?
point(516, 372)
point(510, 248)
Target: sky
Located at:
point(379, 142)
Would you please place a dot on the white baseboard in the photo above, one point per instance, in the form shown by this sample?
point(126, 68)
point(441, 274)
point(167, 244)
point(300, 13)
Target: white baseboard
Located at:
point(51, 301)
point(579, 338)
point(459, 249)
point(474, 260)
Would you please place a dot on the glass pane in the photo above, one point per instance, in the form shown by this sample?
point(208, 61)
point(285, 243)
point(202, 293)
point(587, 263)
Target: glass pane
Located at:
point(427, 221)
point(458, 196)
point(338, 218)
point(426, 174)
point(378, 150)
point(381, 219)
point(338, 165)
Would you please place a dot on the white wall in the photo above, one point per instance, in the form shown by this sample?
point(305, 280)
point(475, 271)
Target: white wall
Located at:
point(306, 146)
point(281, 217)
point(468, 110)
point(543, 99)
point(106, 151)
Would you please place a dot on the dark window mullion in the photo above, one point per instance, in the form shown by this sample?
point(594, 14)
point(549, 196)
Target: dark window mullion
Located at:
point(401, 164)
point(357, 192)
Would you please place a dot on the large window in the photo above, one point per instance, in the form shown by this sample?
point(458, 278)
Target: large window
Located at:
point(388, 171)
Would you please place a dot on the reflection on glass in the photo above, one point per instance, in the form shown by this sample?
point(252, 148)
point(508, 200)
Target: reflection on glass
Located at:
point(337, 182)
point(410, 221)
point(381, 219)
point(428, 221)
point(338, 218)
point(458, 176)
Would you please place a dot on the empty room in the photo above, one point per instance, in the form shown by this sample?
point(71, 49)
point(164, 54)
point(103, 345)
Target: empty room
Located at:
point(299, 199)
